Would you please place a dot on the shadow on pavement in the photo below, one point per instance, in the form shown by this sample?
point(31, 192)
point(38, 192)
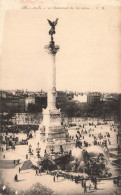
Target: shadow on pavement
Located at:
point(24, 173)
point(21, 180)
point(91, 191)
point(59, 180)
point(101, 189)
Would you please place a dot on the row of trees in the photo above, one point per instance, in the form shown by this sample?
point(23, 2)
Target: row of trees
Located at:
point(73, 108)
point(99, 109)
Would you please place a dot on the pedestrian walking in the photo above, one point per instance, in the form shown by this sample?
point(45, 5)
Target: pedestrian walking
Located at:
point(54, 178)
point(117, 181)
point(114, 182)
point(57, 176)
point(95, 183)
point(16, 178)
point(71, 177)
point(85, 187)
point(36, 172)
point(39, 171)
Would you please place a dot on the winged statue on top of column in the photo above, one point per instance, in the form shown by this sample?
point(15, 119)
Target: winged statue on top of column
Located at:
point(52, 24)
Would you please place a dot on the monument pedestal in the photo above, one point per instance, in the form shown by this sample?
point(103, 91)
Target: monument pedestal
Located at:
point(54, 134)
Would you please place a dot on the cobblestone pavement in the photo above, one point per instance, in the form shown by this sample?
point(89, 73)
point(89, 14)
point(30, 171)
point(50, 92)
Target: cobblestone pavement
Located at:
point(61, 186)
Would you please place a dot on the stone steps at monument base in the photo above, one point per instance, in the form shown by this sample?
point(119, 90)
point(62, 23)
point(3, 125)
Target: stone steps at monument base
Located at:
point(58, 139)
point(26, 165)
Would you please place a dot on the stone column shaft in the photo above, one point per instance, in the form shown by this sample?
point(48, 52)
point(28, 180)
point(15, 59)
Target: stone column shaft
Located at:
point(51, 103)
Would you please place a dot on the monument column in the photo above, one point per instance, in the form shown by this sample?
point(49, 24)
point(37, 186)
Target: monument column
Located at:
point(51, 102)
point(54, 71)
point(52, 49)
point(48, 113)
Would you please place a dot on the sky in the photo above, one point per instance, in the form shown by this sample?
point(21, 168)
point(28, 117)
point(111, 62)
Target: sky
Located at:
point(89, 58)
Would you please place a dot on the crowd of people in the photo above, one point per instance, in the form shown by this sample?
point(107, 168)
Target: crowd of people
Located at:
point(85, 135)
point(38, 172)
point(101, 139)
point(18, 128)
point(86, 184)
point(117, 181)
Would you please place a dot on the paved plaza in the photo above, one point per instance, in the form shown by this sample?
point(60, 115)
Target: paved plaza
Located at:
point(62, 186)
point(27, 178)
